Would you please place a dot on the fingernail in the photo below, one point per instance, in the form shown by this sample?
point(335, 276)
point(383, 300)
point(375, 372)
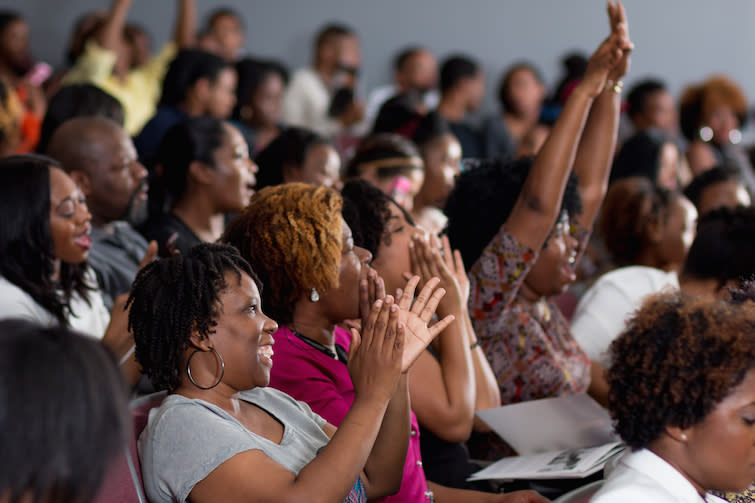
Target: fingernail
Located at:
point(394, 308)
point(378, 303)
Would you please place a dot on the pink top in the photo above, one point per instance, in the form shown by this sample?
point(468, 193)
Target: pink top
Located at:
point(323, 382)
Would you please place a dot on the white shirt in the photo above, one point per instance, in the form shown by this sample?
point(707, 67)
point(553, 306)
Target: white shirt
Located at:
point(602, 312)
point(91, 320)
point(643, 476)
point(306, 103)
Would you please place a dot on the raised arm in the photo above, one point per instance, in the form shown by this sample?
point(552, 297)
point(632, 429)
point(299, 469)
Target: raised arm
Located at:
point(111, 34)
point(596, 149)
point(537, 208)
point(185, 32)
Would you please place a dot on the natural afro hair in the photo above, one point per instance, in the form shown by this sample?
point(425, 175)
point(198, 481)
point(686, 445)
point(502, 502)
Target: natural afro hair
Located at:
point(483, 198)
point(676, 360)
point(174, 297)
point(699, 101)
point(292, 235)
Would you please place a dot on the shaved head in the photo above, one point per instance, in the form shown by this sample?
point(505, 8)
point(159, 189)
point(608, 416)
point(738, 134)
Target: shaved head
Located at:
point(79, 143)
point(102, 160)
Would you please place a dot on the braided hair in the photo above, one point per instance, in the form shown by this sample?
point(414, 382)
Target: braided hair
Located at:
point(175, 297)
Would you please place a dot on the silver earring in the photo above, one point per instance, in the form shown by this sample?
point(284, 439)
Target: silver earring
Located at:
point(706, 133)
point(222, 369)
point(314, 296)
point(735, 136)
point(684, 436)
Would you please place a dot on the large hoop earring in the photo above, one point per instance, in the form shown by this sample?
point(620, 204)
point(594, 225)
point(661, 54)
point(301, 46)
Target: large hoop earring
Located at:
point(222, 369)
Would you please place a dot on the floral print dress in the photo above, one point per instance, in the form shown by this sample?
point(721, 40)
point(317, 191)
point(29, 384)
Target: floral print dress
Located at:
point(529, 346)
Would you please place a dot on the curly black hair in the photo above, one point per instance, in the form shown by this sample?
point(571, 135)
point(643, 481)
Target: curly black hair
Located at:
point(676, 360)
point(724, 248)
point(483, 198)
point(366, 210)
point(175, 296)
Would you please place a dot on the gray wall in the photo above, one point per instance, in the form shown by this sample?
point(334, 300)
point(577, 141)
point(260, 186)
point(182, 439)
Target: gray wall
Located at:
point(680, 40)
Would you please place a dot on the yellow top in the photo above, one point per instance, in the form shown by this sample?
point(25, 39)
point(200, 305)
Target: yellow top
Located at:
point(139, 92)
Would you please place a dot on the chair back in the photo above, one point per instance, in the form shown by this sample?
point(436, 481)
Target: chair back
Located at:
point(123, 479)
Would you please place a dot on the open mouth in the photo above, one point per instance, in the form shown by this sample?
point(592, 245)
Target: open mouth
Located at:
point(83, 241)
point(266, 355)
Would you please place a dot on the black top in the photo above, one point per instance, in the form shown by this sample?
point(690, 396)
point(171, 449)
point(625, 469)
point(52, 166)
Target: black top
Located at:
point(470, 139)
point(161, 229)
point(446, 463)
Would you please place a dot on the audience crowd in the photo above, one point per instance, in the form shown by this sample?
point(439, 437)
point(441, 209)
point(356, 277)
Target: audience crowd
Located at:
point(307, 295)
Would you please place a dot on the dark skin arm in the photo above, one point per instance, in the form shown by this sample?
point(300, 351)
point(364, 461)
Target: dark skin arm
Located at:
point(443, 390)
point(596, 149)
point(538, 205)
point(185, 33)
point(111, 34)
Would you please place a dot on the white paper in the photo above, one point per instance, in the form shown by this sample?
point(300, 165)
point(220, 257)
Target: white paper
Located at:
point(551, 424)
point(570, 463)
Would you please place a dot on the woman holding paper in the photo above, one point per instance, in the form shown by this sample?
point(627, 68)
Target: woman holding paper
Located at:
point(682, 394)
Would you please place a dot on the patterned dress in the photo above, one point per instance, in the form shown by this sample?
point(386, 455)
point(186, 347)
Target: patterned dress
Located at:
point(747, 496)
point(529, 346)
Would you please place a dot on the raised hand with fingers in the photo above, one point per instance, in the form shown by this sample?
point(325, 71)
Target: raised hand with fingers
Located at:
point(416, 316)
point(455, 263)
point(371, 288)
point(620, 27)
point(428, 263)
point(610, 60)
point(375, 357)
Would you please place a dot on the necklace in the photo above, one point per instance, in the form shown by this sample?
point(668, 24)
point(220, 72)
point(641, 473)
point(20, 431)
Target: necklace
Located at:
point(339, 354)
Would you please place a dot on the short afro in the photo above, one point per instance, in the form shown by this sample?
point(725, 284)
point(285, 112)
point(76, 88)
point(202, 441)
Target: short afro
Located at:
point(292, 236)
point(676, 360)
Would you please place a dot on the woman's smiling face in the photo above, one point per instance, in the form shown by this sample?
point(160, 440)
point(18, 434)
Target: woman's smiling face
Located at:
point(69, 219)
point(243, 335)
